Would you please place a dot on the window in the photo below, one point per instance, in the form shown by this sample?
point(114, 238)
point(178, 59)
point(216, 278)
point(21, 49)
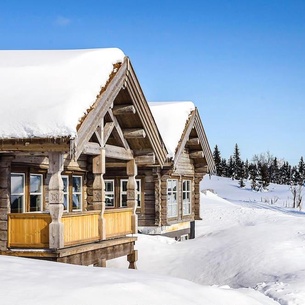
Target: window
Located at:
point(77, 193)
point(17, 193)
point(65, 180)
point(35, 193)
point(123, 193)
point(186, 197)
point(109, 193)
point(73, 193)
point(26, 193)
point(172, 198)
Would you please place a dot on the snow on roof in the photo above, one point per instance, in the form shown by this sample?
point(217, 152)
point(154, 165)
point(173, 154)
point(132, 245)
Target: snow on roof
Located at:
point(44, 93)
point(171, 118)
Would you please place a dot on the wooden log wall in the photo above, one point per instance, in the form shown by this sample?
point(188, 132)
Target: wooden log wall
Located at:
point(5, 171)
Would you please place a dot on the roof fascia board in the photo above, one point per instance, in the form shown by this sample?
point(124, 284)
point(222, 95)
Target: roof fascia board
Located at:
point(204, 141)
point(95, 116)
point(185, 136)
point(145, 115)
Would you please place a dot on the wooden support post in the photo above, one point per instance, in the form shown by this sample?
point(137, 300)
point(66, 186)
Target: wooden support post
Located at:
point(56, 201)
point(98, 169)
point(101, 262)
point(132, 258)
point(132, 171)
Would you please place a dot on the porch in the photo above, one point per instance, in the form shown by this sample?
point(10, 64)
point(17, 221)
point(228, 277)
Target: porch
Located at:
point(28, 236)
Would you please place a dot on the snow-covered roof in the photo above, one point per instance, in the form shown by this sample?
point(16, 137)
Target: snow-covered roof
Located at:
point(171, 118)
point(44, 93)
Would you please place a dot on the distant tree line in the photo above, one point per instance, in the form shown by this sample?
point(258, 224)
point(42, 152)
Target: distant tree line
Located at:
point(262, 170)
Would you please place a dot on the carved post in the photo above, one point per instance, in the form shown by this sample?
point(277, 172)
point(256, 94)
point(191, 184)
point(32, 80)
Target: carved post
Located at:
point(132, 171)
point(56, 201)
point(98, 169)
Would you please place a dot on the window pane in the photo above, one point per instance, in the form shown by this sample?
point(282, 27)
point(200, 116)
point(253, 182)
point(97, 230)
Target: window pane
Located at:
point(109, 200)
point(76, 201)
point(17, 193)
point(16, 203)
point(124, 186)
point(108, 186)
point(65, 182)
point(17, 182)
point(35, 203)
point(35, 183)
point(77, 184)
point(124, 200)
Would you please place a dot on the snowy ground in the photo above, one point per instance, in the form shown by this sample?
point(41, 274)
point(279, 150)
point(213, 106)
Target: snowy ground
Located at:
point(246, 251)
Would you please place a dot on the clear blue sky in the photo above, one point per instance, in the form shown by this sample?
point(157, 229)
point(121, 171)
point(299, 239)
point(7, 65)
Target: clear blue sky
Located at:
point(242, 63)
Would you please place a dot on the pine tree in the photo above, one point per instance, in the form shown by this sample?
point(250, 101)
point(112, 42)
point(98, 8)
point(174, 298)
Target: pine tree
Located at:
point(217, 161)
point(224, 168)
point(237, 163)
point(253, 177)
point(301, 169)
point(230, 166)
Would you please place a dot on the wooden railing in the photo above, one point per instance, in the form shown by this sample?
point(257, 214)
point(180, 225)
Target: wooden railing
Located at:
point(28, 230)
point(80, 228)
point(31, 230)
point(118, 222)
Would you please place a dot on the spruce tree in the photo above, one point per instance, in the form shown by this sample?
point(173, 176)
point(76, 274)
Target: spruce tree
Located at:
point(237, 163)
point(217, 161)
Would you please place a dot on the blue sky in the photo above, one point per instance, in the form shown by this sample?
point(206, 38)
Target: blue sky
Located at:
point(242, 63)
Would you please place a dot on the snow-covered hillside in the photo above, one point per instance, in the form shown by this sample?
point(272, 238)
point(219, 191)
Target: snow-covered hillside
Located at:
point(246, 251)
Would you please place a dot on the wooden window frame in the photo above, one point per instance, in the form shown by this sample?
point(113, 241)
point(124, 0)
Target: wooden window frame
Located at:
point(70, 192)
point(172, 205)
point(138, 191)
point(110, 192)
point(26, 204)
point(188, 191)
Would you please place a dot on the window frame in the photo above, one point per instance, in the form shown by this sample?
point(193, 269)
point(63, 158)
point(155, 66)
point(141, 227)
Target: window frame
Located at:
point(27, 194)
point(107, 193)
point(70, 192)
point(172, 206)
point(23, 194)
point(33, 193)
point(187, 204)
point(66, 193)
point(124, 192)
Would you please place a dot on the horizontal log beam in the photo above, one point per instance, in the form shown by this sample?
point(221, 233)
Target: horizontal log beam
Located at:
point(197, 154)
point(143, 152)
point(193, 141)
point(123, 109)
point(117, 152)
point(91, 148)
point(203, 169)
point(134, 133)
point(29, 147)
point(146, 159)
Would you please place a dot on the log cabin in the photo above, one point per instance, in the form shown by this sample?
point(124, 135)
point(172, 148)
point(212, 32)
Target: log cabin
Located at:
point(74, 129)
point(172, 192)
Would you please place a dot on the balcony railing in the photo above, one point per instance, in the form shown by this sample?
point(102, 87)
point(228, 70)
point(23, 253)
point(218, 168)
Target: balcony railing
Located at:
point(31, 230)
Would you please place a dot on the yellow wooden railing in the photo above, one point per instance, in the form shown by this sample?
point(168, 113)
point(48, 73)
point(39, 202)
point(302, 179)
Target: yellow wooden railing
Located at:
point(118, 222)
point(31, 230)
point(28, 230)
